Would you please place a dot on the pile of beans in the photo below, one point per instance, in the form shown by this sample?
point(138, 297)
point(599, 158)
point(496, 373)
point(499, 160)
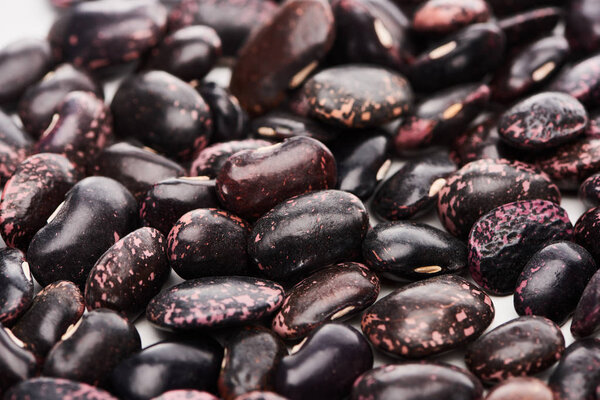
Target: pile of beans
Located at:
point(271, 200)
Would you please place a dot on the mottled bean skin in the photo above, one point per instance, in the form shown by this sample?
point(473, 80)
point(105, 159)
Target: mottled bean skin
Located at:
point(58, 306)
point(250, 363)
point(523, 346)
point(553, 281)
point(229, 119)
point(589, 191)
point(413, 251)
point(279, 125)
point(428, 317)
point(581, 81)
point(586, 319)
point(503, 240)
point(209, 161)
point(209, 242)
point(99, 35)
point(166, 201)
point(252, 182)
point(93, 348)
point(330, 294)
point(15, 146)
point(135, 168)
point(442, 17)
point(41, 101)
point(482, 185)
point(521, 28)
point(56, 389)
point(214, 303)
point(16, 286)
point(296, 38)
point(22, 63)
point(417, 381)
point(165, 366)
point(33, 192)
point(69, 245)
point(521, 388)
point(333, 225)
point(129, 274)
point(587, 232)
point(326, 365)
point(80, 129)
point(578, 372)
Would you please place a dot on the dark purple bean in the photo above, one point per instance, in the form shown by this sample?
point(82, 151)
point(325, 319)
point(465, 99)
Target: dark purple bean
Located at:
point(503, 240)
point(163, 112)
point(581, 81)
point(252, 182)
point(530, 68)
point(33, 192)
point(523, 27)
point(362, 161)
point(582, 26)
point(442, 17)
point(22, 63)
point(578, 372)
point(586, 319)
point(587, 232)
point(589, 191)
point(214, 303)
point(413, 251)
point(439, 118)
point(482, 185)
point(138, 169)
point(183, 394)
point(165, 366)
point(308, 232)
point(129, 274)
point(413, 190)
point(522, 346)
point(99, 35)
point(521, 388)
point(504, 7)
point(372, 32)
point(16, 363)
point(325, 365)
point(543, 121)
point(80, 129)
point(15, 146)
point(336, 292)
point(466, 56)
point(41, 101)
point(188, 53)
point(553, 281)
point(428, 317)
point(258, 395)
point(232, 19)
point(296, 38)
point(16, 286)
point(210, 160)
point(168, 200)
point(96, 213)
point(280, 125)
point(250, 363)
point(209, 242)
point(56, 389)
point(229, 119)
point(417, 381)
point(54, 309)
point(354, 96)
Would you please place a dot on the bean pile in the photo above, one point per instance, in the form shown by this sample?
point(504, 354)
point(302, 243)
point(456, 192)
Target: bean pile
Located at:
point(254, 224)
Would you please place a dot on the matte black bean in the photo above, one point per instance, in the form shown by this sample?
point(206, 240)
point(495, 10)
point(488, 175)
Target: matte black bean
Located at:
point(250, 362)
point(15, 146)
point(138, 169)
point(16, 363)
point(279, 125)
point(165, 366)
point(168, 200)
point(54, 309)
point(56, 389)
point(589, 191)
point(325, 365)
point(96, 213)
point(209, 242)
point(229, 119)
point(553, 281)
point(16, 286)
point(333, 293)
point(308, 232)
point(209, 161)
point(578, 372)
point(92, 348)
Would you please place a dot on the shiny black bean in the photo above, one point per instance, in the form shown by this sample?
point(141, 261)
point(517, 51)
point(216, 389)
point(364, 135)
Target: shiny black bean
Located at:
point(16, 286)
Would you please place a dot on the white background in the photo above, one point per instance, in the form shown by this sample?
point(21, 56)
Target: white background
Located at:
point(33, 18)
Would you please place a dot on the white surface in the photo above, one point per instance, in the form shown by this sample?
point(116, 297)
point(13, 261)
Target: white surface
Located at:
point(33, 18)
